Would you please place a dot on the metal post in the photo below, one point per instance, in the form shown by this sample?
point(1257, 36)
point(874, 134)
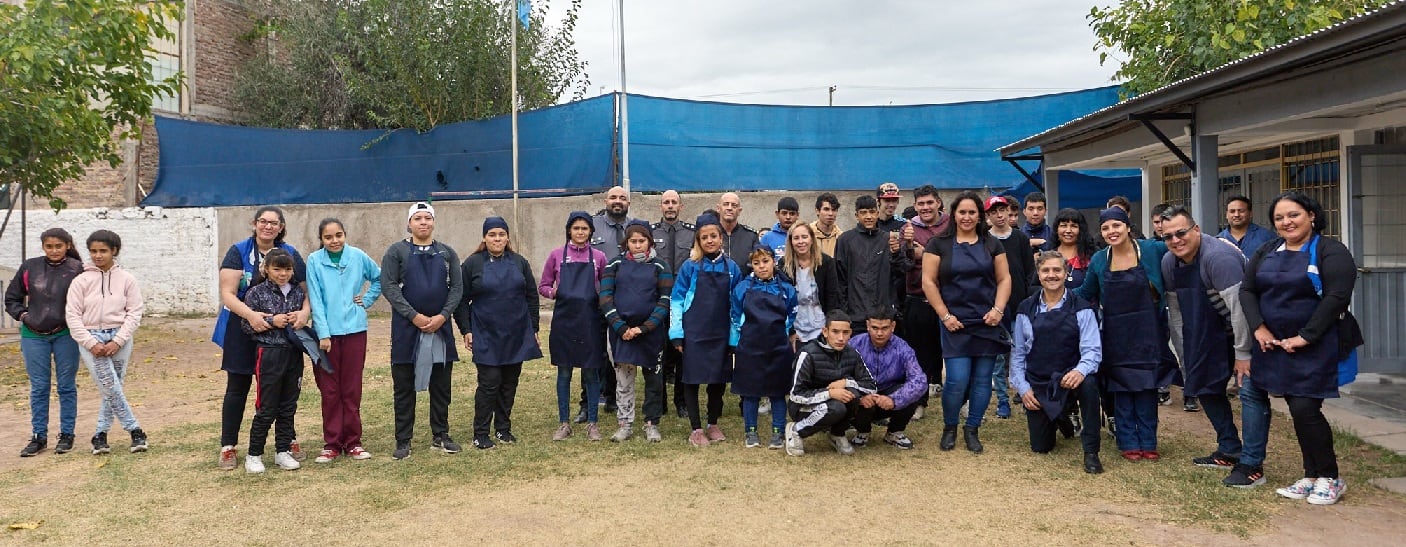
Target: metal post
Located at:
point(513, 98)
point(832, 95)
point(1205, 180)
point(624, 111)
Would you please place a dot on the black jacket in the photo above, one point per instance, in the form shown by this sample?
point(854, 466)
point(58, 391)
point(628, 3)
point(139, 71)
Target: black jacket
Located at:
point(817, 364)
point(41, 289)
point(1020, 262)
point(868, 270)
point(739, 244)
point(473, 287)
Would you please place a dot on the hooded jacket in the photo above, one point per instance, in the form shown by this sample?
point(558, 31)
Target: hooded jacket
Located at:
point(551, 270)
point(99, 300)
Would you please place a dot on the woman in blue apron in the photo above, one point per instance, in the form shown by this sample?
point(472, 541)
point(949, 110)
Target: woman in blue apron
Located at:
point(700, 326)
point(634, 297)
point(499, 321)
point(1125, 279)
point(967, 283)
point(1057, 351)
point(763, 309)
point(1295, 290)
point(571, 276)
point(1075, 243)
point(237, 271)
point(421, 281)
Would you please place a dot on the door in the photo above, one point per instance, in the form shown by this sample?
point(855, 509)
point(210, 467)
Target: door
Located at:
point(1377, 216)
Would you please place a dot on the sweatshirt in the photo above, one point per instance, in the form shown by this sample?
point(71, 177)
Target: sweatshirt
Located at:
point(332, 287)
point(99, 300)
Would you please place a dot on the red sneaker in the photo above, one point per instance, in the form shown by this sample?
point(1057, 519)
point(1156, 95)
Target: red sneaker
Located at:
point(228, 455)
point(326, 456)
point(1151, 455)
point(715, 434)
point(1132, 455)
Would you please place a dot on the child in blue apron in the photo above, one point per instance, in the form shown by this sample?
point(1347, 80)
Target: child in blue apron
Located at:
point(1057, 351)
point(763, 310)
point(700, 326)
point(571, 277)
point(634, 297)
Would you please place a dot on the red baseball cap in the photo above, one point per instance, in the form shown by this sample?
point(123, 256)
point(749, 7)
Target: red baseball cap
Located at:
point(888, 190)
point(994, 201)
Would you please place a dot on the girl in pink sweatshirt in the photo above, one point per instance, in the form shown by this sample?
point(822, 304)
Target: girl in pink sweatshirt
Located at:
point(103, 311)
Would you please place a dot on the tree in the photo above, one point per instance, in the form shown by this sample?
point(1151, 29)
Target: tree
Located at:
point(1158, 42)
point(74, 79)
point(357, 64)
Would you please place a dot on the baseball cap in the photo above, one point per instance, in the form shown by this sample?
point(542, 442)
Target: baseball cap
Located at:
point(995, 201)
point(887, 190)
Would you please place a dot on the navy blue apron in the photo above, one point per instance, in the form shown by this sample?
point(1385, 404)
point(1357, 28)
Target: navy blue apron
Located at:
point(969, 295)
point(499, 319)
point(425, 286)
point(1054, 351)
point(706, 326)
point(1287, 300)
point(578, 329)
point(1206, 337)
point(762, 367)
point(636, 294)
point(1133, 335)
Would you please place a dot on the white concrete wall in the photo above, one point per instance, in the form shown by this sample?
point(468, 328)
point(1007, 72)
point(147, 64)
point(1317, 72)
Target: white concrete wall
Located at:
point(170, 251)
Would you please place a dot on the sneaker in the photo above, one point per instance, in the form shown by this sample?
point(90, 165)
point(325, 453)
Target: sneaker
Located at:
point(326, 456)
point(36, 445)
point(297, 451)
point(1191, 405)
point(681, 412)
point(1151, 455)
point(593, 432)
point(286, 461)
point(562, 433)
point(698, 438)
point(1244, 476)
point(445, 443)
point(622, 434)
point(778, 439)
point(580, 416)
point(1297, 491)
point(919, 412)
point(1164, 397)
point(65, 443)
point(483, 442)
point(506, 437)
point(651, 433)
point(899, 440)
point(1217, 460)
point(1326, 491)
point(1132, 455)
point(753, 439)
point(764, 407)
point(859, 440)
point(228, 458)
point(795, 445)
point(100, 445)
point(402, 450)
point(1003, 410)
point(138, 440)
point(254, 464)
point(1112, 428)
point(715, 434)
point(841, 445)
point(359, 453)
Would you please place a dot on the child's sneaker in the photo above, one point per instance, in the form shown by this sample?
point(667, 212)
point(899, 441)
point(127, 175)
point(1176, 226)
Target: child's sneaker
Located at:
point(36, 444)
point(842, 445)
point(1297, 491)
point(1327, 491)
point(562, 433)
point(651, 433)
point(1244, 476)
point(593, 432)
point(297, 451)
point(715, 434)
point(65, 443)
point(899, 439)
point(326, 456)
point(253, 464)
point(506, 437)
point(139, 443)
point(359, 453)
point(1217, 460)
point(623, 433)
point(764, 406)
point(100, 445)
point(697, 438)
point(228, 458)
point(778, 439)
point(445, 443)
point(286, 461)
point(402, 450)
point(483, 442)
point(753, 440)
point(860, 440)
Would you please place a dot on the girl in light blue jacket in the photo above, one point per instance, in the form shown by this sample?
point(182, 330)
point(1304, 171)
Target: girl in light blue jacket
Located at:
point(337, 274)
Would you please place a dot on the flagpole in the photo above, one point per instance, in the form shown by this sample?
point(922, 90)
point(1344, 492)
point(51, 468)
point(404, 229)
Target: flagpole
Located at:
point(624, 111)
point(512, 86)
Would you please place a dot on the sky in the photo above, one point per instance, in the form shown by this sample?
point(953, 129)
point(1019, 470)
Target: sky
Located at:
point(875, 52)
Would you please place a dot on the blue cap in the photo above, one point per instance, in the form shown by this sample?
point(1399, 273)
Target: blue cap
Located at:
point(1113, 213)
point(494, 222)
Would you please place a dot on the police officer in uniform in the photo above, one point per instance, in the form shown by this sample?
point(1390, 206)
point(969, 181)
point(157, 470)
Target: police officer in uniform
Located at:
point(673, 240)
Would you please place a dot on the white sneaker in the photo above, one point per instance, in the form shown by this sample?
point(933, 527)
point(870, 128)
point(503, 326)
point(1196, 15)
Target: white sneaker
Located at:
point(1326, 491)
point(285, 461)
point(919, 412)
point(795, 445)
point(1297, 491)
point(841, 445)
point(764, 407)
point(253, 464)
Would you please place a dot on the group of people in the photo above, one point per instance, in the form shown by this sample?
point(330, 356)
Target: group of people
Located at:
point(825, 329)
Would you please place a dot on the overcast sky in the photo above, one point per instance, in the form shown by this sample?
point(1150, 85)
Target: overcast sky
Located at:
point(876, 51)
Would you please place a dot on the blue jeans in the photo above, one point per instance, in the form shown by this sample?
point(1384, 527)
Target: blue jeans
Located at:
point(1217, 409)
point(1136, 415)
point(590, 380)
point(751, 408)
point(968, 380)
point(1254, 423)
point(109, 373)
point(37, 352)
point(1001, 381)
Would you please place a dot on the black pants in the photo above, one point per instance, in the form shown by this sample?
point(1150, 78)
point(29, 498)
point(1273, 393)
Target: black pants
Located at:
point(898, 418)
point(493, 400)
point(403, 384)
point(232, 414)
point(280, 371)
point(672, 361)
point(715, 403)
point(834, 416)
point(920, 330)
point(1042, 429)
point(653, 394)
point(1315, 437)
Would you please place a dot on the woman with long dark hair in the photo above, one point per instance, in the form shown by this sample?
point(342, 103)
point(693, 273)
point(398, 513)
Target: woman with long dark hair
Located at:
point(36, 298)
point(571, 276)
point(1075, 243)
point(103, 311)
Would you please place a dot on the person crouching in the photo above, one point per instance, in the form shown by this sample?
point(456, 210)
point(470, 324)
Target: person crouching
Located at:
point(829, 380)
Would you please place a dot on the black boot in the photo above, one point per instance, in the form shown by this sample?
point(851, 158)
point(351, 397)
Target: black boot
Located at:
point(969, 436)
point(949, 437)
point(1091, 464)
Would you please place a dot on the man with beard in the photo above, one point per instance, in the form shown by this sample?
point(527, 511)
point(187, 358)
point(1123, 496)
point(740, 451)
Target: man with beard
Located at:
point(673, 240)
point(609, 232)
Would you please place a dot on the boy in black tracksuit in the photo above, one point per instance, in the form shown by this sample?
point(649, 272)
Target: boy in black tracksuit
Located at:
point(830, 383)
point(279, 366)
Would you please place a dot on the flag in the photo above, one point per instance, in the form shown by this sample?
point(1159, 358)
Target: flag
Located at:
point(524, 12)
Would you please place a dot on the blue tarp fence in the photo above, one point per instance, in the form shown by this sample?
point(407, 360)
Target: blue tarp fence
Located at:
point(674, 144)
point(1091, 190)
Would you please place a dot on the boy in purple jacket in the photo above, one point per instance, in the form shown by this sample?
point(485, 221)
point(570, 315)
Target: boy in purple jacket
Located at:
point(900, 379)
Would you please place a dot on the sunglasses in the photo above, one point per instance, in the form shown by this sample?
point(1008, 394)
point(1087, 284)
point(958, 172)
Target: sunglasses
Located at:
point(1181, 234)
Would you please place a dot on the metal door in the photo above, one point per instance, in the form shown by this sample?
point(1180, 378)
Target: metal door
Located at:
point(1377, 213)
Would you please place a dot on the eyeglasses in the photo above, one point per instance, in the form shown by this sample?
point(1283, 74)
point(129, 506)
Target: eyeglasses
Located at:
point(266, 222)
point(1181, 234)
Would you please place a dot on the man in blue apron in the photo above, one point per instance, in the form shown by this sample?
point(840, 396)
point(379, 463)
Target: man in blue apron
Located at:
point(1202, 276)
point(421, 279)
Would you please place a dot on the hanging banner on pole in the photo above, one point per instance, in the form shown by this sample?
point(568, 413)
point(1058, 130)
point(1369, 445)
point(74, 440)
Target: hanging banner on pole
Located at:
point(524, 12)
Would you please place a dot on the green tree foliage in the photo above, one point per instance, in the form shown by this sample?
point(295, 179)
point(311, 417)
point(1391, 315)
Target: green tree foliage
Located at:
point(74, 74)
point(359, 64)
point(1158, 42)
